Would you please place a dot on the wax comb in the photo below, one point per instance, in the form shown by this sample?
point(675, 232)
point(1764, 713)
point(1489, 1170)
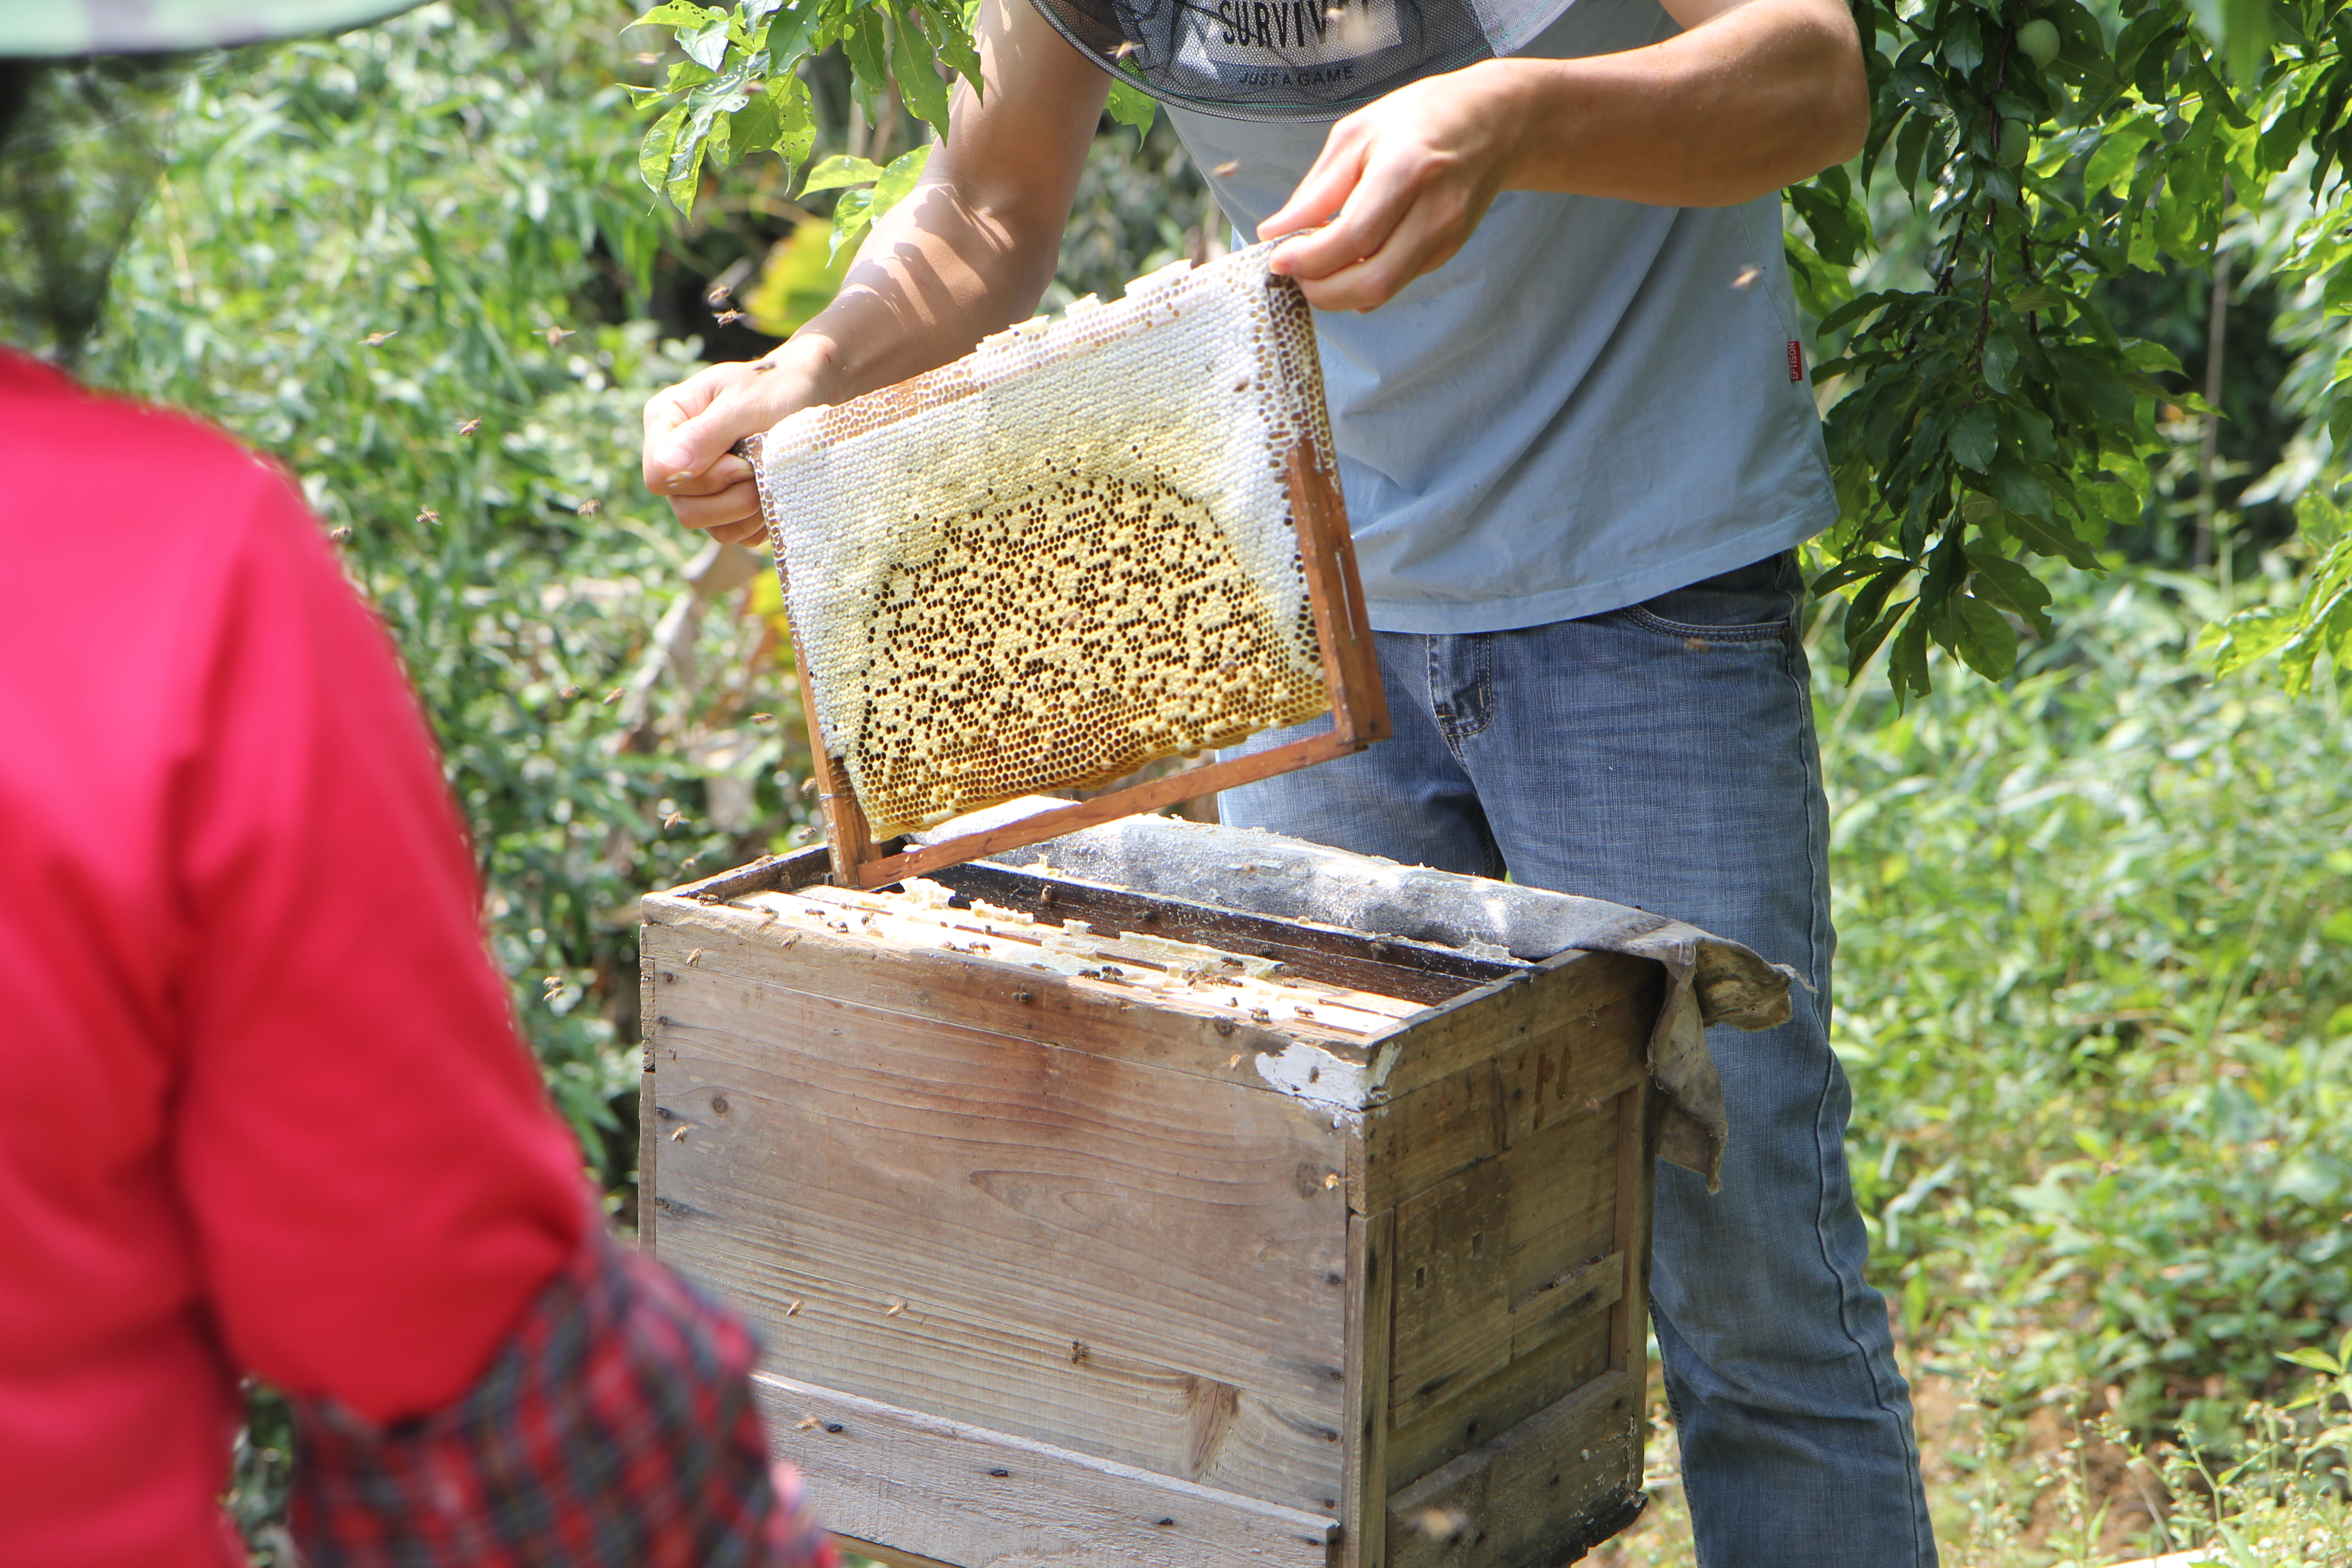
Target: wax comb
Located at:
point(1094, 542)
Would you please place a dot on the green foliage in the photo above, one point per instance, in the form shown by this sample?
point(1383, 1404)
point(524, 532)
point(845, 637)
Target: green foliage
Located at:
point(2319, 624)
point(400, 261)
point(2101, 1029)
point(803, 273)
point(872, 190)
point(1996, 414)
point(741, 89)
point(82, 153)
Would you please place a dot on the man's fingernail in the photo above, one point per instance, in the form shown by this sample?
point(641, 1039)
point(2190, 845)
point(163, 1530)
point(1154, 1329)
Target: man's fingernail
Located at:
point(675, 457)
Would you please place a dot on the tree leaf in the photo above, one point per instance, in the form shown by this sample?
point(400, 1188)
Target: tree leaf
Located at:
point(675, 13)
point(866, 43)
point(838, 171)
point(1131, 105)
point(705, 46)
point(2010, 584)
point(916, 64)
point(1984, 637)
point(1974, 437)
point(652, 152)
point(2112, 163)
point(899, 181)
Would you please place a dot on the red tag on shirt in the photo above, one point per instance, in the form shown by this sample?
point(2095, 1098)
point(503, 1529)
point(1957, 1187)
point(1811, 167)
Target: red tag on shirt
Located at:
point(1796, 359)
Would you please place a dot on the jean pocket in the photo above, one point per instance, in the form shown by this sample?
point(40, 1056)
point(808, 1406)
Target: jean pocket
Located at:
point(1756, 602)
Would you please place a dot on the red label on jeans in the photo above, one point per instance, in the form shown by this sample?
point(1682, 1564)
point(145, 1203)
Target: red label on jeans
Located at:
point(1796, 359)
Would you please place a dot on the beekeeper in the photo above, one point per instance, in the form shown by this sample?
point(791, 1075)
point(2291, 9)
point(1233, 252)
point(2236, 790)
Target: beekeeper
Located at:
point(1579, 447)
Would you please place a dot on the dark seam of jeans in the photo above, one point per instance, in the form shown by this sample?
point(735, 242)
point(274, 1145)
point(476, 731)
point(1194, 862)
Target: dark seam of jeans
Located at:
point(1791, 652)
point(1450, 724)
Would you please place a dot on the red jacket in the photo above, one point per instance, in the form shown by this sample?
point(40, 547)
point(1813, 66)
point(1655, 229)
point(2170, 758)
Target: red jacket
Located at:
point(261, 1105)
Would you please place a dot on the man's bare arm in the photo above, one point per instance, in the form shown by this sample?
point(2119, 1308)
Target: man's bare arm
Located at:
point(1752, 95)
point(967, 252)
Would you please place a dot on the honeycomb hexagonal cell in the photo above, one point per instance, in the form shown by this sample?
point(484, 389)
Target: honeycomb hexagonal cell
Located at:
point(1066, 555)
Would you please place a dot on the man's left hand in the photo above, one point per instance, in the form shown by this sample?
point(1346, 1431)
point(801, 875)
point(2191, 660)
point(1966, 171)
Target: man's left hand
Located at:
point(1400, 185)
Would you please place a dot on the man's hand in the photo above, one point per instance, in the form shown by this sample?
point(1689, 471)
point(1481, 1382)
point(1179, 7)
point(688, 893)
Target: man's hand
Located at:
point(1403, 182)
point(1750, 96)
point(691, 429)
point(966, 254)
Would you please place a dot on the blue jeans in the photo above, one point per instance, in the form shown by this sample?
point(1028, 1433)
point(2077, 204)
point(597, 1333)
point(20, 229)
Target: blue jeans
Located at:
point(1663, 756)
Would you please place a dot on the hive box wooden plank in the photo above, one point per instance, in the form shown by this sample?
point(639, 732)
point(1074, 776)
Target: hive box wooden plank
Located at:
point(1084, 1227)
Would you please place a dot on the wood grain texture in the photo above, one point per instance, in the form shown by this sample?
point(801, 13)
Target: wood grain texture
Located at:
point(1018, 1198)
point(1584, 1057)
point(1132, 801)
point(1363, 1507)
point(1507, 1398)
point(1510, 1016)
point(954, 991)
point(1495, 1262)
point(1326, 553)
point(1417, 1140)
point(1533, 1495)
point(956, 1493)
point(1416, 971)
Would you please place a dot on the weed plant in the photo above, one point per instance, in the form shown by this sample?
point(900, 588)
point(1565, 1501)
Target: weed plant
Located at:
point(2095, 935)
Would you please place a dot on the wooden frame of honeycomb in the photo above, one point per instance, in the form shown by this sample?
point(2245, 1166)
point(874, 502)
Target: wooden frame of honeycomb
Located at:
point(1094, 542)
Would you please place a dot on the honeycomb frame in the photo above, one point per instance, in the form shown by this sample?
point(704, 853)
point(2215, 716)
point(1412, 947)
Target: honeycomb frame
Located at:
point(1094, 542)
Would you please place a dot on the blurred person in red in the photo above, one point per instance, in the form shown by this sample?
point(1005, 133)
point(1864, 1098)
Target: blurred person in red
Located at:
point(265, 1111)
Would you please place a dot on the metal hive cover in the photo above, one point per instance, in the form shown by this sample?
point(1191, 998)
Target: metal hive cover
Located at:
point(1068, 554)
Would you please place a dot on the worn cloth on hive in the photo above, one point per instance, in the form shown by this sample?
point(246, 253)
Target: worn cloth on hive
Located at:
point(1068, 554)
point(1708, 980)
point(1282, 59)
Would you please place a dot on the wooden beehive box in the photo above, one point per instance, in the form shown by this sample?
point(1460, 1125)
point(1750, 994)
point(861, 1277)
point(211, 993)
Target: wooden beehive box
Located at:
point(1086, 1226)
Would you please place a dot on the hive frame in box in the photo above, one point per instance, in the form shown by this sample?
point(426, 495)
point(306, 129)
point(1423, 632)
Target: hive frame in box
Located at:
point(1040, 1245)
point(1349, 668)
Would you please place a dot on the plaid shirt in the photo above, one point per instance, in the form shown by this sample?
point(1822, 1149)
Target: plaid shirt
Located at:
point(616, 1427)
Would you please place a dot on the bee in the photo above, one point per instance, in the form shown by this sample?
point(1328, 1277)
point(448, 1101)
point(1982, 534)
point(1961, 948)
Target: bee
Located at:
point(794, 1308)
point(377, 340)
point(590, 507)
point(339, 535)
point(1125, 50)
point(554, 982)
point(613, 696)
point(696, 956)
point(1229, 167)
point(1440, 1523)
point(428, 515)
point(568, 692)
point(727, 318)
point(1232, 1061)
point(674, 819)
point(763, 717)
point(807, 1424)
point(896, 1308)
point(679, 1135)
point(555, 335)
point(467, 426)
point(1330, 1180)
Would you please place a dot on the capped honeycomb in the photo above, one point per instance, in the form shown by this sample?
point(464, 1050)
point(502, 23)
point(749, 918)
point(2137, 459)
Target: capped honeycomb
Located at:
point(1063, 556)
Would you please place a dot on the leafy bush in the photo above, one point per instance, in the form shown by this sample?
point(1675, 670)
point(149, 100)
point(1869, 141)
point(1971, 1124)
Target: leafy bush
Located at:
point(2096, 931)
point(400, 261)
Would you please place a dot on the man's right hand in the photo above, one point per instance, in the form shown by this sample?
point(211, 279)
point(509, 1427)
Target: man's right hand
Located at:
point(691, 430)
point(968, 253)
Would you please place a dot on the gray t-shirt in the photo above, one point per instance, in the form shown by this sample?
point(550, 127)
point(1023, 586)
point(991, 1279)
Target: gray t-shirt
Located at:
point(1595, 402)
